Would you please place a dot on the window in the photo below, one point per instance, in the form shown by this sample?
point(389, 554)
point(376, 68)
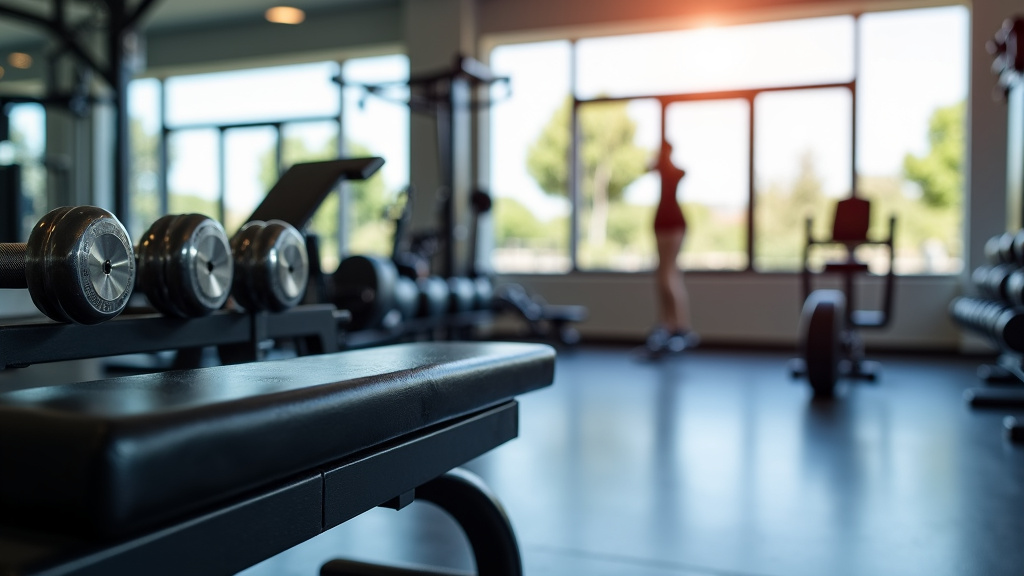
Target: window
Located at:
point(26, 148)
point(530, 159)
point(710, 138)
point(229, 136)
point(773, 123)
point(802, 151)
point(144, 103)
point(914, 83)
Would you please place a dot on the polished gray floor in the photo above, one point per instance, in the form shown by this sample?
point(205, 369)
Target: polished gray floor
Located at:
point(717, 463)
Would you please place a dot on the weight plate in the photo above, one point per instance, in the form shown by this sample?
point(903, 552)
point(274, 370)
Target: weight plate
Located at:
point(462, 294)
point(37, 255)
point(199, 267)
point(152, 272)
point(283, 270)
point(242, 285)
point(104, 266)
point(98, 271)
point(822, 319)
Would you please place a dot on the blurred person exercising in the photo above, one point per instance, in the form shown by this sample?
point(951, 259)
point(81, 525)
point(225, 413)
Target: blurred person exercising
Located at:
point(673, 332)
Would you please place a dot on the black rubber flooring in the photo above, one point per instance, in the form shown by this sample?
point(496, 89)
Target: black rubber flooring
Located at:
point(717, 463)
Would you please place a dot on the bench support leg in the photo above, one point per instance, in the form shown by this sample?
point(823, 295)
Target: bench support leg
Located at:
point(465, 497)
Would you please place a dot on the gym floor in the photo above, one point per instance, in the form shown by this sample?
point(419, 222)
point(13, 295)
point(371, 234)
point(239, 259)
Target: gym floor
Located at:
point(716, 463)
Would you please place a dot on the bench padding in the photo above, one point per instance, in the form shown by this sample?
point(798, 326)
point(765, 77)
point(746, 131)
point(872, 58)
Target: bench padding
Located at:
point(112, 457)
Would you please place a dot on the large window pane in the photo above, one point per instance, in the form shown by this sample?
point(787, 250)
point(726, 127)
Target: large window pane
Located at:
point(798, 52)
point(311, 142)
point(297, 91)
point(193, 172)
point(618, 143)
point(802, 154)
point(912, 90)
point(711, 141)
point(375, 127)
point(144, 125)
point(250, 170)
point(27, 148)
point(530, 159)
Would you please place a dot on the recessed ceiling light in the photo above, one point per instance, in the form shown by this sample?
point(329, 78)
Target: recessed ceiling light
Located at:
point(19, 60)
point(285, 15)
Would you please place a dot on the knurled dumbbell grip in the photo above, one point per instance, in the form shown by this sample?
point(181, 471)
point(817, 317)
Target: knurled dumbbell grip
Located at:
point(12, 265)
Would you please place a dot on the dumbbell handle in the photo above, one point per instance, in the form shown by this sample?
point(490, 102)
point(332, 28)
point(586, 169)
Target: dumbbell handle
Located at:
point(12, 265)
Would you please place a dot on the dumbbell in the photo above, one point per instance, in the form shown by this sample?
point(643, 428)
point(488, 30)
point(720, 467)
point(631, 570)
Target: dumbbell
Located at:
point(1015, 288)
point(461, 294)
point(992, 280)
point(78, 265)
point(271, 266)
point(185, 266)
point(1006, 248)
point(1018, 247)
point(434, 296)
point(366, 287)
point(484, 289)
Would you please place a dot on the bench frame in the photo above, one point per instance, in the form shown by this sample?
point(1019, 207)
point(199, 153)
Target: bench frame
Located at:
point(270, 521)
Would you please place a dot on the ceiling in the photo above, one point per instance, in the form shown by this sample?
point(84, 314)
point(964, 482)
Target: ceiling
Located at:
point(162, 14)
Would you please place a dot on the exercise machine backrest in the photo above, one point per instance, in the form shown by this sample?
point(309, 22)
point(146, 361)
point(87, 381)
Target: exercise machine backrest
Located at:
point(850, 229)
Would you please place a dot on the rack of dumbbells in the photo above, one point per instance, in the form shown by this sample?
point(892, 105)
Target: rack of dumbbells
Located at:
point(996, 312)
point(81, 268)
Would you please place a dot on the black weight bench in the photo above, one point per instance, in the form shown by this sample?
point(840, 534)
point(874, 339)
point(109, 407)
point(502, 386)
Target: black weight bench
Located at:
point(210, 471)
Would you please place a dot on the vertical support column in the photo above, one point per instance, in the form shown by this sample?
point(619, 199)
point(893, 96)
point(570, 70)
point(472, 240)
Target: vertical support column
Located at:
point(436, 31)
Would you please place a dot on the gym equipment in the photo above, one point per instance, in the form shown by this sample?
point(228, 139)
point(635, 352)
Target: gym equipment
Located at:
point(462, 292)
point(366, 286)
point(254, 459)
point(830, 345)
point(271, 266)
point(295, 197)
point(543, 320)
point(994, 281)
point(315, 326)
point(448, 96)
point(1001, 325)
point(78, 265)
point(434, 297)
point(185, 266)
point(1014, 429)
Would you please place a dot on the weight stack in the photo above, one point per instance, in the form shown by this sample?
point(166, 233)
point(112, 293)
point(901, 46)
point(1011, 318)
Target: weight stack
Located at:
point(999, 323)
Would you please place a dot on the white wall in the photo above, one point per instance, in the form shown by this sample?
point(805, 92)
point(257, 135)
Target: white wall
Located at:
point(746, 308)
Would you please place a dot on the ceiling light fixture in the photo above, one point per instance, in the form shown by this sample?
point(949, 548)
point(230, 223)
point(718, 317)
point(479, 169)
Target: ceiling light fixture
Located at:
point(19, 60)
point(285, 15)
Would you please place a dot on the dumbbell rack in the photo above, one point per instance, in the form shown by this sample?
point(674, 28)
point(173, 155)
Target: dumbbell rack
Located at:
point(454, 325)
point(998, 315)
point(32, 342)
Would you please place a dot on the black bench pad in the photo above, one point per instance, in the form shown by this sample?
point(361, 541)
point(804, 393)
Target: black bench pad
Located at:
point(108, 458)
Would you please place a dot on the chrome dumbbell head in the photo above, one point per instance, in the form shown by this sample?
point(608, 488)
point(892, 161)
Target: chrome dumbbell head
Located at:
point(79, 265)
point(185, 267)
point(271, 266)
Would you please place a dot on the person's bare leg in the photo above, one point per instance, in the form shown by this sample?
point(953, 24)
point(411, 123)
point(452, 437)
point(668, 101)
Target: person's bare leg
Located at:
point(673, 312)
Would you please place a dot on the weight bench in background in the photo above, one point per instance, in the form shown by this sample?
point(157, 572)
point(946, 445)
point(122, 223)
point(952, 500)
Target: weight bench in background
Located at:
point(210, 471)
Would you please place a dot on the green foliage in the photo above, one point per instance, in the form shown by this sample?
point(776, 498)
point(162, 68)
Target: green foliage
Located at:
point(940, 171)
point(516, 226)
point(609, 159)
point(781, 217)
point(145, 171)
